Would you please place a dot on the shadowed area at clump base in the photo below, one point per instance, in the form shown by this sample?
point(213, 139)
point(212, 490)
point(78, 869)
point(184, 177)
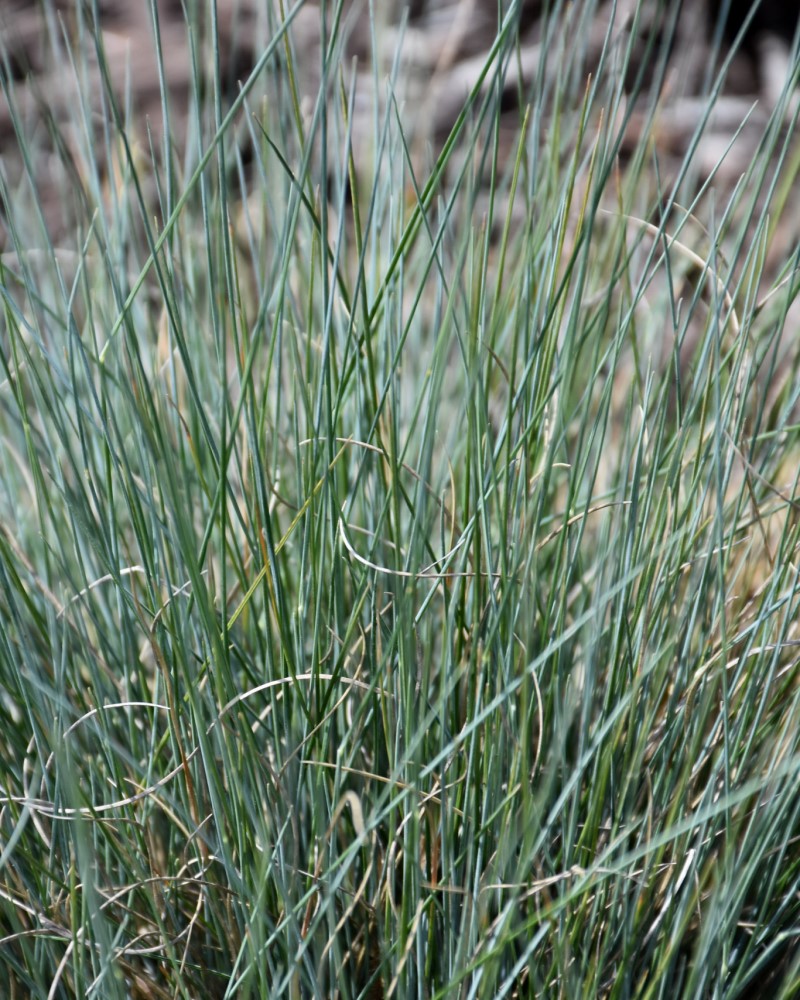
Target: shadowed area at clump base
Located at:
point(398, 511)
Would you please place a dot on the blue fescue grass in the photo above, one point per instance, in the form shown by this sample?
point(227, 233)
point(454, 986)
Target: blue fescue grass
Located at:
point(398, 574)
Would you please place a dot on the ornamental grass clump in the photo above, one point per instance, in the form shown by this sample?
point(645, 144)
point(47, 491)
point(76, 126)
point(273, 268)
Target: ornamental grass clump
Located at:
point(398, 530)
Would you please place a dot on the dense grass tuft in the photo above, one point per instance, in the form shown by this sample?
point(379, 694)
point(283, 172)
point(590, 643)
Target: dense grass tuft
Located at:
point(398, 542)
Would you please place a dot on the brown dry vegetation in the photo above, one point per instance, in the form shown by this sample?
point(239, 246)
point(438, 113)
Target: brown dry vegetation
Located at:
point(442, 45)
